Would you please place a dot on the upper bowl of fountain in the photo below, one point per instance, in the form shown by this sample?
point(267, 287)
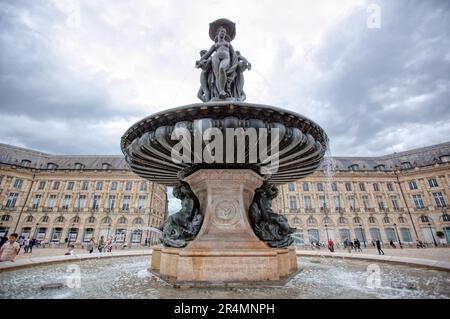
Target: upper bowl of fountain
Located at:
point(278, 144)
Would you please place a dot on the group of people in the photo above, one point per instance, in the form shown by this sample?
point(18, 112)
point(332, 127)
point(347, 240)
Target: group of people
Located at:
point(103, 245)
point(18, 243)
point(350, 245)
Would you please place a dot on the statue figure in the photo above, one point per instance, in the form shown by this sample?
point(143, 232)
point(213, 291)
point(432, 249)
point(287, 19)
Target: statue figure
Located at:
point(204, 93)
point(222, 67)
point(185, 224)
point(268, 226)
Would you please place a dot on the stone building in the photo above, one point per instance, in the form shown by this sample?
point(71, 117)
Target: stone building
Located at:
point(60, 198)
point(399, 195)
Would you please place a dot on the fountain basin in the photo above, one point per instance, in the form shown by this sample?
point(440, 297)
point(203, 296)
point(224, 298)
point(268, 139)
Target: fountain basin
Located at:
point(128, 277)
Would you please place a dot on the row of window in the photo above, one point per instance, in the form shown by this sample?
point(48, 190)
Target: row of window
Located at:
point(80, 201)
point(337, 202)
point(417, 199)
point(432, 182)
point(51, 165)
point(84, 185)
point(348, 187)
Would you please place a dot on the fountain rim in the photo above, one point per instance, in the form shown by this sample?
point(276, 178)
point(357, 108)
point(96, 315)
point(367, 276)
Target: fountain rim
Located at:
point(125, 140)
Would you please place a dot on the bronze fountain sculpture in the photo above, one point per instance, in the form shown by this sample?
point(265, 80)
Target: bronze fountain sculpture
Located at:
point(224, 157)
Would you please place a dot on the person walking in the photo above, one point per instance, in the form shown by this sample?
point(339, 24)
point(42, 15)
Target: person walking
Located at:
point(101, 244)
point(391, 243)
point(26, 245)
point(10, 249)
point(380, 251)
point(331, 245)
point(31, 244)
point(90, 246)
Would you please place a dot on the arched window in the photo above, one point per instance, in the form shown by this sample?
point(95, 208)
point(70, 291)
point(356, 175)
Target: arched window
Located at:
point(76, 219)
point(312, 221)
point(90, 220)
point(401, 220)
point(106, 220)
point(424, 219)
point(29, 219)
point(357, 220)
point(59, 219)
point(372, 220)
point(138, 221)
point(6, 218)
point(122, 220)
point(44, 219)
point(327, 220)
point(296, 220)
point(342, 220)
point(386, 220)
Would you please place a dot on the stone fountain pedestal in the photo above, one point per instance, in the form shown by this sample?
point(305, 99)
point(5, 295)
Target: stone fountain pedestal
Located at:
point(226, 251)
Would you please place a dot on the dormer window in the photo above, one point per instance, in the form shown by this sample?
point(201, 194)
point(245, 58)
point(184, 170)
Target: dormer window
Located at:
point(445, 158)
point(380, 167)
point(354, 167)
point(406, 165)
point(105, 166)
point(51, 166)
point(78, 166)
point(25, 163)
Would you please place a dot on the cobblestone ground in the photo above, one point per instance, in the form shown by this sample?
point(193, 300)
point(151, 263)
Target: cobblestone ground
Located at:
point(440, 253)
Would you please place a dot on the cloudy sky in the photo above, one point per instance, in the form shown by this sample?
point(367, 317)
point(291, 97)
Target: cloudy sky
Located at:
point(74, 75)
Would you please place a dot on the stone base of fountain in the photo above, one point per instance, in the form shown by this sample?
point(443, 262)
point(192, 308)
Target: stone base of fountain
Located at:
point(226, 251)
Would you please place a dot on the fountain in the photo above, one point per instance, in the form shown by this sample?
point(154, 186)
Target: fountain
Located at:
point(224, 158)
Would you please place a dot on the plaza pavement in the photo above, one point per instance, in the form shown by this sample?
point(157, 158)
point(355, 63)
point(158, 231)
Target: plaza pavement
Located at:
point(438, 258)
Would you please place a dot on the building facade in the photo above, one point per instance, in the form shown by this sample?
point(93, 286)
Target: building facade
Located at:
point(399, 197)
point(403, 196)
point(70, 199)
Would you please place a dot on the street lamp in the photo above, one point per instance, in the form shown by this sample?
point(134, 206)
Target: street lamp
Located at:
point(398, 237)
point(431, 231)
point(364, 237)
point(326, 229)
point(107, 236)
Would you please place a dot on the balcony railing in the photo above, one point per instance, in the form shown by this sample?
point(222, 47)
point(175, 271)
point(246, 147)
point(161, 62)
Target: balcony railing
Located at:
point(10, 209)
point(47, 209)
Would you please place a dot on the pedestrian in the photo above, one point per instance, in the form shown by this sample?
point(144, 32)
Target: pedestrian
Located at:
point(20, 242)
point(90, 246)
point(357, 245)
point(9, 250)
point(380, 251)
point(331, 245)
point(71, 250)
point(101, 244)
point(350, 246)
point(31, 245)
point(26, 245)
point(391, 243)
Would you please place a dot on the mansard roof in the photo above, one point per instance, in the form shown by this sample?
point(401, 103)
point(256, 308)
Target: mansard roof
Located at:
point(419, 157)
